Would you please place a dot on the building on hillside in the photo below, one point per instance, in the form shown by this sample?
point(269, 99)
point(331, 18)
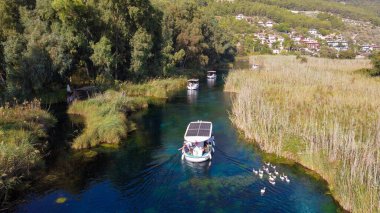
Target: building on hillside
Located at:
point(338, 44)
point(276, 51)
point(261, 23)
point(261, 37)
point(239, 17)
point(297, 39)
point(272, 39)
point(311, 44)
point(368, 48)
point(313, 32)
point(269, 24)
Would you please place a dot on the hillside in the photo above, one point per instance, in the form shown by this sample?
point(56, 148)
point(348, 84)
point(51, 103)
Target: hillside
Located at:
point(339, 29)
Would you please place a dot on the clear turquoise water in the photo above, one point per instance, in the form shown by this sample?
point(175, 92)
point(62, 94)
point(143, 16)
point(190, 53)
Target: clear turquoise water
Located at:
point(146, 173)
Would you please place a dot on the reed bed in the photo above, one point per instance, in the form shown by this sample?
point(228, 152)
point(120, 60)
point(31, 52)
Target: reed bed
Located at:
point(158, 88)
point(321, 114)
point(22, 128)
point(105, 114)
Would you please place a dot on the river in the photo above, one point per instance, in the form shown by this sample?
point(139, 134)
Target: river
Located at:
point(146, 173)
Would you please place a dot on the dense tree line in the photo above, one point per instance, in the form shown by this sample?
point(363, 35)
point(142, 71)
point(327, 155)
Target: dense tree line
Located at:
point(44, 43)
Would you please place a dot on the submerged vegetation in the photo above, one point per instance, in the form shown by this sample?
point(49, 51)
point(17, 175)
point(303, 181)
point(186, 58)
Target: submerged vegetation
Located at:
point(105, 114)
point(320, 113)
point(22, 130)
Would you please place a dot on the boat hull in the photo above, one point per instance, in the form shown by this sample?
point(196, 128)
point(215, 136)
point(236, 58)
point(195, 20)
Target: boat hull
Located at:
point(193, 87)
point(197, 159)
point(211, 77)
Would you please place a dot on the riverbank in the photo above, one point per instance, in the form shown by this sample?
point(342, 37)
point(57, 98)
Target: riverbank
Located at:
point(105, 114)
point(23, 134)
point(321, 114)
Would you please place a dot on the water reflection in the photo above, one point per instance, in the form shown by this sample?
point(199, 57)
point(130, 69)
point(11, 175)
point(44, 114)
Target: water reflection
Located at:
point(211, 83)
point(192, 96)
point(197, 169)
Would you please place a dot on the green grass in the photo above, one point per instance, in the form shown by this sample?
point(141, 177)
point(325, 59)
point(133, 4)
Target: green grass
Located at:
point(159, 88)
point(21, 129)
point(105, 114)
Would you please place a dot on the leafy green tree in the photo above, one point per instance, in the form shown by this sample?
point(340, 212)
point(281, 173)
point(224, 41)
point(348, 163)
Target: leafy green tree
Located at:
point(327, 52)
point(17, 78)
point(348, 54)
point(282, 27)
point(141, 52)
point(102, 56)
point(375, 60)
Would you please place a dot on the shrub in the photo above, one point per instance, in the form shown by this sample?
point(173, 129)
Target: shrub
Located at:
point(22, 127)
point(375, 60)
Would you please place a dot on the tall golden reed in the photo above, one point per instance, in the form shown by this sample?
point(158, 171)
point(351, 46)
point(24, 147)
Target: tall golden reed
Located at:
point(321, 114)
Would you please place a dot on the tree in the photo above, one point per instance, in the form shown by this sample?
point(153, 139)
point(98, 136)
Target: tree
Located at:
point(141, 52)
point(102, 56)
point(282, 27)
point(375, 60)
point(15, 74)
point(348, 54)
point(327, 52)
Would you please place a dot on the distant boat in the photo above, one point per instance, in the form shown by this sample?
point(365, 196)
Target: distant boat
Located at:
point(255, 67)
point(199, 142)
point(193, 84)
point(211, 74)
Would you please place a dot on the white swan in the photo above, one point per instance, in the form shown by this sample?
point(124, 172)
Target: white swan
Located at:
point(262, 191)
point(255, 172)
point(287, 180)
point(272, 182)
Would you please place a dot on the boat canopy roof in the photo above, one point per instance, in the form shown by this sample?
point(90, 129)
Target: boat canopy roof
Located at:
point(193, 80)
point(212, 71)
point(198, 131)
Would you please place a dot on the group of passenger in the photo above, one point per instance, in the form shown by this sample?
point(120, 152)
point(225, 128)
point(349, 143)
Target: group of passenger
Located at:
point(196, 149)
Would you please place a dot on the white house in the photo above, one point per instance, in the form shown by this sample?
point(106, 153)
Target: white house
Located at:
point(239, 17)
point(313, 32)
point(338, 44)
point(269, 24)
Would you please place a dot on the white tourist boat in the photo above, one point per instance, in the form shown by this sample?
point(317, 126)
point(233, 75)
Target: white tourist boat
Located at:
point(193, 84)
point(199, 142)
point(211, 74)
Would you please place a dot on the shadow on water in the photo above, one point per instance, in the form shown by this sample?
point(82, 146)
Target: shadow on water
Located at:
point(146, 173)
